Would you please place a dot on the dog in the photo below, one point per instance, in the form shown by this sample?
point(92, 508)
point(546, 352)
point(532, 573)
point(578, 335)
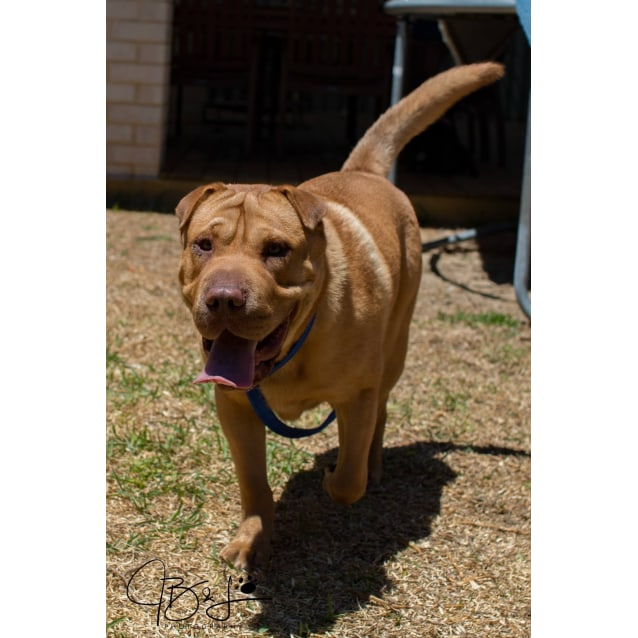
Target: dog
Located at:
point(327, 271)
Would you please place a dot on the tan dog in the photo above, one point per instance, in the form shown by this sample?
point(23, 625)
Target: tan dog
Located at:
point(259, 262)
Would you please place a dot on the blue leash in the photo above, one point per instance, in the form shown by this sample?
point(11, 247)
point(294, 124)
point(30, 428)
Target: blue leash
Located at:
point(265, 413)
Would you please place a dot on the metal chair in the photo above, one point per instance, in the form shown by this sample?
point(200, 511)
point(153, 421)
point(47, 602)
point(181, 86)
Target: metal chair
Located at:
point(463, 51)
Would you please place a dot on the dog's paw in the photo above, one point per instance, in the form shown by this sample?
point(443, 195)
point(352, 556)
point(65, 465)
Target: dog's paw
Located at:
point(344, 490)
point(246, 557)
point(375, 474)
point(250, 550)
point(238, 555)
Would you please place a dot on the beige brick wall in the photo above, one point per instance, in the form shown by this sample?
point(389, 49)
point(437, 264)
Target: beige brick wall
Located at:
point(138, 41)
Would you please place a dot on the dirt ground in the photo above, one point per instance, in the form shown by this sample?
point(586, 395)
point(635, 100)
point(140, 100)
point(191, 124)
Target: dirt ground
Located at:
point(441, 548)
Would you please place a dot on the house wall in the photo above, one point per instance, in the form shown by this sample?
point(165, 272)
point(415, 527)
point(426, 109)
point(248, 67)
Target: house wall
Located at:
point(138, 51)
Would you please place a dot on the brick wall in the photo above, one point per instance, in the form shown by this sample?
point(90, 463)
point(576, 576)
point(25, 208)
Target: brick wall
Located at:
point(138, 49)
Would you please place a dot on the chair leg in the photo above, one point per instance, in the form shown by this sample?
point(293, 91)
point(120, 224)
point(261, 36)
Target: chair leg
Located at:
point(397, 75)
point(522, 277)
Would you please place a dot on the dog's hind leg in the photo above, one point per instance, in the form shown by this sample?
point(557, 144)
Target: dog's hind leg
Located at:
point(375, 456)
point(392, 373)
point(347, 482)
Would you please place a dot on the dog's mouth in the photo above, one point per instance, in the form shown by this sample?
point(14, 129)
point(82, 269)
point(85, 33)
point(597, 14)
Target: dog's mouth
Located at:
point(241, 363)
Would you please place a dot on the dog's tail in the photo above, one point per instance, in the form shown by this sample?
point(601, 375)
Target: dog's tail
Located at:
point(384, 140)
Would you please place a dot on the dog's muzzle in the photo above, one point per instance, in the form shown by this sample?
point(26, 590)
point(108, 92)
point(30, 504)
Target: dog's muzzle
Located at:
point(241, 363)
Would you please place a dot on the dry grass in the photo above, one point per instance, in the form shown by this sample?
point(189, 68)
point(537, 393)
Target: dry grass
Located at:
point(441, 548)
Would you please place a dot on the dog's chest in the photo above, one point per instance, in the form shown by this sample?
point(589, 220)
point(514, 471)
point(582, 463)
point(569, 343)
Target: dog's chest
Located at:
point(289, 401)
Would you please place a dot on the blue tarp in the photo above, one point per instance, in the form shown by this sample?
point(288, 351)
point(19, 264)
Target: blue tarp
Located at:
point(525, 16)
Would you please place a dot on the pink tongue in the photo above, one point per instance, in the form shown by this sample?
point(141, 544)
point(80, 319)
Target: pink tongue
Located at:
point(231, 362)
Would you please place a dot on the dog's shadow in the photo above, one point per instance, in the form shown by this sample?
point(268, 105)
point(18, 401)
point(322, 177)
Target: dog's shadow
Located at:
point(329, 559)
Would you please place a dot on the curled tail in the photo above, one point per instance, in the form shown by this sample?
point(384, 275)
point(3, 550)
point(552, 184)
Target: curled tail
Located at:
point(384, 140)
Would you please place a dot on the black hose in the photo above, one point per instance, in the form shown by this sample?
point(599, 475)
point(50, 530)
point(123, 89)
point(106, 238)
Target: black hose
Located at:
point(468, 234)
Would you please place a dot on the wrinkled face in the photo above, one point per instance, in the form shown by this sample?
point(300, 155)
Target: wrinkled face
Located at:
point(250, 269)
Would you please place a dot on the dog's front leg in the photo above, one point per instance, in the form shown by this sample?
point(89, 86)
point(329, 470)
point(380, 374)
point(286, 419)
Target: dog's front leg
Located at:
point(347, 482)
point(246, 437)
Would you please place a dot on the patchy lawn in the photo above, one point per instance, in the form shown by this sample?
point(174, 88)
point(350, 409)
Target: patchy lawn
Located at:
point(441, 548)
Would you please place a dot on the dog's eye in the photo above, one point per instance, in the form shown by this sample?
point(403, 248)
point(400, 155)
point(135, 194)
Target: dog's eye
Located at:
point(203, 245)
point(276, 249)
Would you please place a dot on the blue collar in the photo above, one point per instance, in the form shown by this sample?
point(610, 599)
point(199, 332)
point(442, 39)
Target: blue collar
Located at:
point(265, 413)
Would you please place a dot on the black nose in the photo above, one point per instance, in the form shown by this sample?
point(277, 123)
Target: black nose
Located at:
point(225, 296)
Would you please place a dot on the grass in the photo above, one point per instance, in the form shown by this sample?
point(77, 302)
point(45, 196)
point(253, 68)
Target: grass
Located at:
point(146, 462)
point(440, 549)
point(482, 319)
point(158, 461)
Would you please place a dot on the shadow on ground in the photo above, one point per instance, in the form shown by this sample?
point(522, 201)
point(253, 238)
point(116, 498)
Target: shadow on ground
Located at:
point(497, 256)
point(329, 560)
point(497, 253)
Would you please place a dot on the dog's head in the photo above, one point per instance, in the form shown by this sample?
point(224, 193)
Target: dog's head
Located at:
point(251, 268)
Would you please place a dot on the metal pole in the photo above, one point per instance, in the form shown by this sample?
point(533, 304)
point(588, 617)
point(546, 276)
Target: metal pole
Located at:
point(397, 75)
point(522, 261)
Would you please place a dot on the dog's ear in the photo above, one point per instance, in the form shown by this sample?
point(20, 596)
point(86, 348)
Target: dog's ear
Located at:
point(190, 202)
point(310, 207)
